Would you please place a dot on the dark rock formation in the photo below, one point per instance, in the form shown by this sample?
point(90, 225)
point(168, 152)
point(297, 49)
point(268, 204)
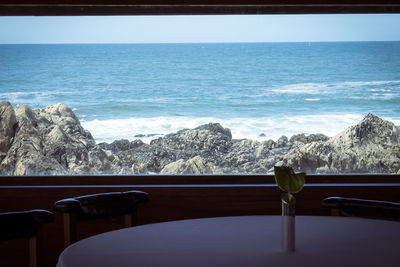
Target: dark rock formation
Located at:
point(209, 140)
point(371, 146)
point(146, 158)
point(51, 141)
point(119, 146)
point(195, 165)
point(8, 123)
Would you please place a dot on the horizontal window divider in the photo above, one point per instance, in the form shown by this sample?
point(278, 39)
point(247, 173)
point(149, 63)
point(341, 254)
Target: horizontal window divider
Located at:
point(217, 180)
point(173, 7)
point(195, 186)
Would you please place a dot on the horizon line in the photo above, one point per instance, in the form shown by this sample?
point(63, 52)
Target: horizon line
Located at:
point(211, 42)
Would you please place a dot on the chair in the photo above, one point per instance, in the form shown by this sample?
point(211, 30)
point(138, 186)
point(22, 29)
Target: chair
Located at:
point(355, 207)
point(91, 207)
point(25, 224)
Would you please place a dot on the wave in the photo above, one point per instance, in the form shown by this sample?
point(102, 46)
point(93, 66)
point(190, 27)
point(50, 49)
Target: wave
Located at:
point(34, 98)
point(334, 88)
point(302, 88)
point(259, 129)
point(372, 83)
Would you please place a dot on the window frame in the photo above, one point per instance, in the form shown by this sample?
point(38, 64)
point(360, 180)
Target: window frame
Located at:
point(192, 7)
point(201, 180)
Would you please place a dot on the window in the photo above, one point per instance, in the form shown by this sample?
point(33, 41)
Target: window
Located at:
point(318, 92)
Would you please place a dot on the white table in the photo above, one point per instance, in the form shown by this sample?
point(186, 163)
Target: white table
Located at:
point(242, 241)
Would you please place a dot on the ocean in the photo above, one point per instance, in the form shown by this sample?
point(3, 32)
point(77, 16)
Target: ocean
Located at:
point(258, 90)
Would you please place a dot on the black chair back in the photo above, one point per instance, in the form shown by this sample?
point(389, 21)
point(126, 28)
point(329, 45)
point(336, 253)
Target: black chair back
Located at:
point(97, 206)
point(25, 224)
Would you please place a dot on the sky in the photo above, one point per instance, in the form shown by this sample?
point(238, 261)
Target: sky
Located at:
point(194, 29)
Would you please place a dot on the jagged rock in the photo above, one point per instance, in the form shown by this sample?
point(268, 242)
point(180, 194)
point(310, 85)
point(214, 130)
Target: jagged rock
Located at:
point(305, 139)
point(243, 155)
point(52, 141)
point(209, 140)
point(372, 130)
point(8, 123)
point(121, 145)
point(252, 157)
point(26, 154)
point(37, 164)
point(282, 141)
point(371, 146)
point(147, 158)
point(139, 168)
point(196, 165)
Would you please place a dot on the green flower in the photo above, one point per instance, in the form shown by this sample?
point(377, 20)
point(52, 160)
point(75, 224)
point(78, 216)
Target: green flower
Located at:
point(287, 180)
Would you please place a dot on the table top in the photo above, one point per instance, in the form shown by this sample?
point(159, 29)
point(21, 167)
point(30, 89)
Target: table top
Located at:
point(242, 241)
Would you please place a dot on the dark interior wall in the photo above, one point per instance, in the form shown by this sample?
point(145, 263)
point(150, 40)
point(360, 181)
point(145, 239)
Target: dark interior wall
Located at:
point(170, 202)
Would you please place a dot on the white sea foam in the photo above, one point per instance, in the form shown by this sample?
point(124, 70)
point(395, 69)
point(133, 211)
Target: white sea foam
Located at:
point(32, 97)
point(330, 88)
point(312, 99)
point(271, 127)
point(380, 90)
point(302, 88)
point(371, 83)
point(15, 96)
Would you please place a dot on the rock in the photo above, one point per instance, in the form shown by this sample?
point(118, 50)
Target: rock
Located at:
point(270, 143)
point(8, 123)
point(61, 115)
point(372, 130)
point(26, 154)
point(196, 165)
point(139, 168)
point(38, 165)
point(302, 138)
point(243, 154)
point(209, 141)
point(371, 146)
point(51, 141)
point(151, 135)
point(121, 145)
point(146, 158)
point(261, 135)
point(282, 141)
point(252, 157)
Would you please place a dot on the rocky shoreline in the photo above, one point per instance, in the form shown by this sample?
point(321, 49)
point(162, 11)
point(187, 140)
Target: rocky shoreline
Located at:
point(51, 141)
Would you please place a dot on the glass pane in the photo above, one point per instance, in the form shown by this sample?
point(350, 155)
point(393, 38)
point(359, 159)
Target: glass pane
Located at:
point(199, 94)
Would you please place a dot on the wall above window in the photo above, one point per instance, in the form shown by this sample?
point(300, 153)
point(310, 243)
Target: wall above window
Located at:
point(192, 7)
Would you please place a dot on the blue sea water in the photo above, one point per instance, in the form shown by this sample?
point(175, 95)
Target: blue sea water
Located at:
point(123, 90)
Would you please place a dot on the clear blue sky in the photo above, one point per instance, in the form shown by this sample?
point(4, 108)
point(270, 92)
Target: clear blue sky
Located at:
point(178, 29)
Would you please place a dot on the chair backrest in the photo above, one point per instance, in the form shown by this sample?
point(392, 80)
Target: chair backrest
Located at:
point(103, 205)
point(365, 208)
point(25, 224)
